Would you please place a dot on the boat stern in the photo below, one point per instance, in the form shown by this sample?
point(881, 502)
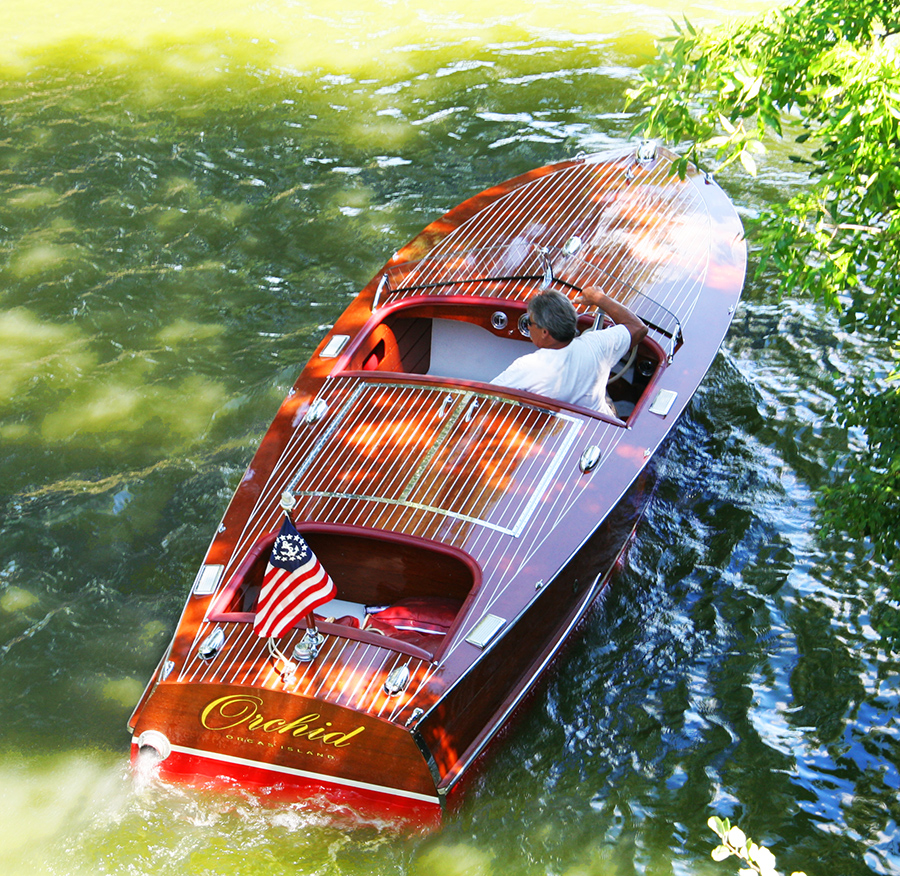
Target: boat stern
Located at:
point(282, 743)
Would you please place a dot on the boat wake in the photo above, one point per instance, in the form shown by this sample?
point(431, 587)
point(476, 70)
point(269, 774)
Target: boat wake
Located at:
point(146, 768)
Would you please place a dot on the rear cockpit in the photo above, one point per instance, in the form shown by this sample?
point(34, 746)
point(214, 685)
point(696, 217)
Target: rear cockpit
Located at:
point(400, 592)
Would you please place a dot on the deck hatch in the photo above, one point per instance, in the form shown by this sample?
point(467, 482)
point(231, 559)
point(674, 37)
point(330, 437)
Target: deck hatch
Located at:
point(484, 631)
point(207, 581)
point(478, 457)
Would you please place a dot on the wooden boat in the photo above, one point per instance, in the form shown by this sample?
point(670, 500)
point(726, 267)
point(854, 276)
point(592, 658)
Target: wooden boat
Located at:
point(467, 527)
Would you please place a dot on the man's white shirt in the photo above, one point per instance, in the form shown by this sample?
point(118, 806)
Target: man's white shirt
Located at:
point(577, 373)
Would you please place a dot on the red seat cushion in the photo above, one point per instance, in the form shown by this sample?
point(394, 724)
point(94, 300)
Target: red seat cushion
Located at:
point(416, 614)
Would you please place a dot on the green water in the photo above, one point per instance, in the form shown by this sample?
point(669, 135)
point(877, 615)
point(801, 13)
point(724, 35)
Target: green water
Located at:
point(190, 193)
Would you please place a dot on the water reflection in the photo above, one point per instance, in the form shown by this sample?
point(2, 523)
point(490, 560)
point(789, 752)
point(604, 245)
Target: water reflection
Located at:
point(183, 211)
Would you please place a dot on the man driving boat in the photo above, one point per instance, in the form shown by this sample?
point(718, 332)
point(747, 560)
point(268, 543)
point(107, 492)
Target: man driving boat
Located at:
point(570, 367)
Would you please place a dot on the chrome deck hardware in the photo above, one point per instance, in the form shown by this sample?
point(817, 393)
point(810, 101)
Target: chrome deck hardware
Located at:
point(316, 411)
point(397, 681)
point(307, 649)
point(590, 458)
point(211, 645)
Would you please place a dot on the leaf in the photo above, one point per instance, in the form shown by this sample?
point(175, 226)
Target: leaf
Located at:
point(716, 825)
point(748, 162)
point(736, 837)
point(726, 124)
point(754, 88)
point(720, 853)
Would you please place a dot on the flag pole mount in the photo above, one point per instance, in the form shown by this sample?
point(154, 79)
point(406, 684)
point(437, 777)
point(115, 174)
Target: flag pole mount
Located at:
point(307, 649)
point(287, 502)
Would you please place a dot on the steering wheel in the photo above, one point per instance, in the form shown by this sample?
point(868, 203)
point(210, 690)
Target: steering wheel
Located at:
point(598, 321)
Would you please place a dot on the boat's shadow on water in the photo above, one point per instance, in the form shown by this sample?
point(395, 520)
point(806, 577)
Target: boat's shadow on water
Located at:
point(635, 734)
point(711, 673)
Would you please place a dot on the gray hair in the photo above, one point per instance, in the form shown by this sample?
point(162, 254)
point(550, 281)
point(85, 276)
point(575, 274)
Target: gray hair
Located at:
point(553, 311)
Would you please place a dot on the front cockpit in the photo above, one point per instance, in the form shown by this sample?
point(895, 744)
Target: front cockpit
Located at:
point(462, 317)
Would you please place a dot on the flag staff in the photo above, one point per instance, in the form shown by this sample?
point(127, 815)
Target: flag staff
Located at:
point(307, 649)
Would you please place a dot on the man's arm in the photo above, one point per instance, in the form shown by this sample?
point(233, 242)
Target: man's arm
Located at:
point(618, 313)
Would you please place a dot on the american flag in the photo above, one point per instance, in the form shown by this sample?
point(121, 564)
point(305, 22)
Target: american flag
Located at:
point(294, 584)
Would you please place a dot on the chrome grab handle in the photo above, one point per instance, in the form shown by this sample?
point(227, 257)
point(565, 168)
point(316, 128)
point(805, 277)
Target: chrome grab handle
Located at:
point(447, 403)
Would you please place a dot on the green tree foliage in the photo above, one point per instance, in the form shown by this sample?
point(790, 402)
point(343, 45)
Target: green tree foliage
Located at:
point(827, 74)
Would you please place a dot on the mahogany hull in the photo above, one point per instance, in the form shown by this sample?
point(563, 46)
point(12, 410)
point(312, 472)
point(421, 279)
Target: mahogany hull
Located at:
point(468, 527)
point(296, 745)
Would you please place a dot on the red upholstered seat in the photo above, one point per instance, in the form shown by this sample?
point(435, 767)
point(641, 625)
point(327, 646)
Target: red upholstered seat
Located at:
point(428, 615)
